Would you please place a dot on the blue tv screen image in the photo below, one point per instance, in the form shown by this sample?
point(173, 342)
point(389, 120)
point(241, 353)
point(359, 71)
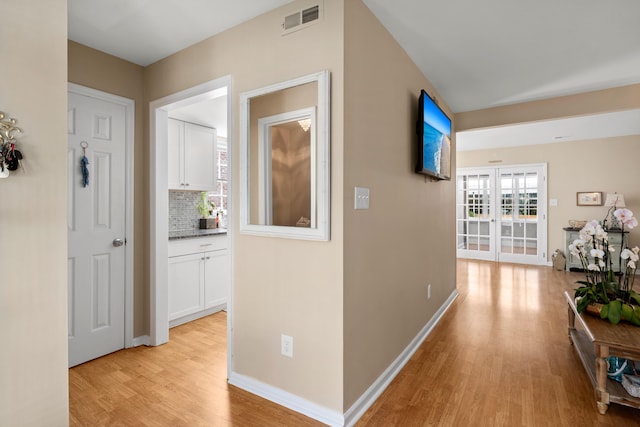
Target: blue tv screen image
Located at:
point(436, 140)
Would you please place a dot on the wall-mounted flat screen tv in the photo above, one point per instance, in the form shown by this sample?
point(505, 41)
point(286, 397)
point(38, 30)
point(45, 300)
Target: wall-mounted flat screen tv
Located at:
point(434, 139)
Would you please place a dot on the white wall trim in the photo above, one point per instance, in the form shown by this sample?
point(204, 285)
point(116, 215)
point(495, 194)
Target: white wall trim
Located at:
point(367, 399)
point(333, 418)
point(129, 106)
point(142, 340)
point(288, 400)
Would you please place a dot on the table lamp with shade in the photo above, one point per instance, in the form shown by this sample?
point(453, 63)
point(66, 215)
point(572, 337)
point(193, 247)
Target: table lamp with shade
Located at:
point(614, 201)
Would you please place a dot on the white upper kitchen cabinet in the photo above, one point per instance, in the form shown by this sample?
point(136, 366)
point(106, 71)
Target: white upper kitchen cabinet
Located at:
point(192, 157)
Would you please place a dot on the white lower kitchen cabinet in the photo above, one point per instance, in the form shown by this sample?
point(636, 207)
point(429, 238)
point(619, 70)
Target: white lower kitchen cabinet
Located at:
point(186, 290)
point(216, 278)
point(198, 278)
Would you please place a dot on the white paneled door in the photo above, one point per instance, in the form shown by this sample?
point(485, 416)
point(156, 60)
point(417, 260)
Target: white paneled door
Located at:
point(96, 227)
point(501, 214)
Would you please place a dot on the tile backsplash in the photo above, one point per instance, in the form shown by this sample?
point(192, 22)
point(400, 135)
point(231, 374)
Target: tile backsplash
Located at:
point(183, 214)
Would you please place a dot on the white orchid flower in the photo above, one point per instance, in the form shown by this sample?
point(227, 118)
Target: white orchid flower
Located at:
point(622, 214)
point(573, 250)
point(629, 254)
point(625, 216)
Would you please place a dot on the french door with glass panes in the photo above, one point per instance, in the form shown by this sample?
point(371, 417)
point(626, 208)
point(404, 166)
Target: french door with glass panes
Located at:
point(501, 214)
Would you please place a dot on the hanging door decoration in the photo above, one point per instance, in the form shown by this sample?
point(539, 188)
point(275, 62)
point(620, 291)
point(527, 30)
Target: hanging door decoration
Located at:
point(84, 164)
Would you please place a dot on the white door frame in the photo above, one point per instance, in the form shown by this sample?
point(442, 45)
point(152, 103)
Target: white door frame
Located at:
point(495, 197)
point(129, 106)
point(159, 201)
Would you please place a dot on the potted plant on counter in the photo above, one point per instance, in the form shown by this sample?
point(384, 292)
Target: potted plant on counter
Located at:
point(206, 207)
point(605, 292)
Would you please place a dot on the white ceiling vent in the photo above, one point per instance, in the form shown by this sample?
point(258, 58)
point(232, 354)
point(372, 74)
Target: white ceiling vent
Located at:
point(301, 19)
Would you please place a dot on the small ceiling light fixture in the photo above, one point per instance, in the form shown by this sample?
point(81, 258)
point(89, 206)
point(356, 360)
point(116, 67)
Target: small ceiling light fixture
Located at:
point(305, 124)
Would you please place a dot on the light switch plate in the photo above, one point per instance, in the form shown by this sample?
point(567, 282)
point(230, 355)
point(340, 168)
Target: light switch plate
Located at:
point(553, 202)
point(361, 198)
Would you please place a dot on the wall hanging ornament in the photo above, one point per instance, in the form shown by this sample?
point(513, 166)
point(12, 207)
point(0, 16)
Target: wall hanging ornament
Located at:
point(10, 157)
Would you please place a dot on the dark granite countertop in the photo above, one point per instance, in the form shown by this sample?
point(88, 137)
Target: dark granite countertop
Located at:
point(187, 234)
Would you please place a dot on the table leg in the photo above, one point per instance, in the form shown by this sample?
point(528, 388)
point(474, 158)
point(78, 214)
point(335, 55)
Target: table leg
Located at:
point(572, 322)
point(602, 396)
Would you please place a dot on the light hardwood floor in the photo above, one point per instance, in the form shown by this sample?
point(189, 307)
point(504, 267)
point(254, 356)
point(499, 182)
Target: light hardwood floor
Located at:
point(499, 357)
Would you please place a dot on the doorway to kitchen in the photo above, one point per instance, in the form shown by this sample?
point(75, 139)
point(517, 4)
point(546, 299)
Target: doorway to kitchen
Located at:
point(160, 113)
point(501, 213)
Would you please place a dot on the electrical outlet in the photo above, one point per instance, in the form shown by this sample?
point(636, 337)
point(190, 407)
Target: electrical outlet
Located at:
point(429, 291)
point(286, 345)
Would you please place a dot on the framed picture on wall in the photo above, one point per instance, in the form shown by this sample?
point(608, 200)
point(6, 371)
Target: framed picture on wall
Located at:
point(589, 198)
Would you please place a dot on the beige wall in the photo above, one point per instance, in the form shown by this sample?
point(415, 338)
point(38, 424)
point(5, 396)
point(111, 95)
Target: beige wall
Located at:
point(406, 238)
point(281, 286)
point(91, 68)
point(607, 165)
point(33, 232)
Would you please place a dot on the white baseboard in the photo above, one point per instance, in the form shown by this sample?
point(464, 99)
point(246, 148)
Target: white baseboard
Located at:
point(288, 400)
point(328, 416)
point(379, 385)
point(141, 340)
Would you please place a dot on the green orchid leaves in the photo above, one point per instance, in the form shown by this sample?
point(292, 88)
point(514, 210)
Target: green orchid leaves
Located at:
point(616, 311)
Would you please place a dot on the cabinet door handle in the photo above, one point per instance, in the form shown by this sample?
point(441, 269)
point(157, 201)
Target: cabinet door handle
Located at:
point(208, 257)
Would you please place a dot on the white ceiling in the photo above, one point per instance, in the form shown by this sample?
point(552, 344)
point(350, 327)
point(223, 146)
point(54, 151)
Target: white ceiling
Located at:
point(477, 54)
point(481, 54)
point(211, 113)
point(145, 31)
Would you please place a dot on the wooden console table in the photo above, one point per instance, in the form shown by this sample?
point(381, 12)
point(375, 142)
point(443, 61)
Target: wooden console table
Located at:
point(594, 340)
